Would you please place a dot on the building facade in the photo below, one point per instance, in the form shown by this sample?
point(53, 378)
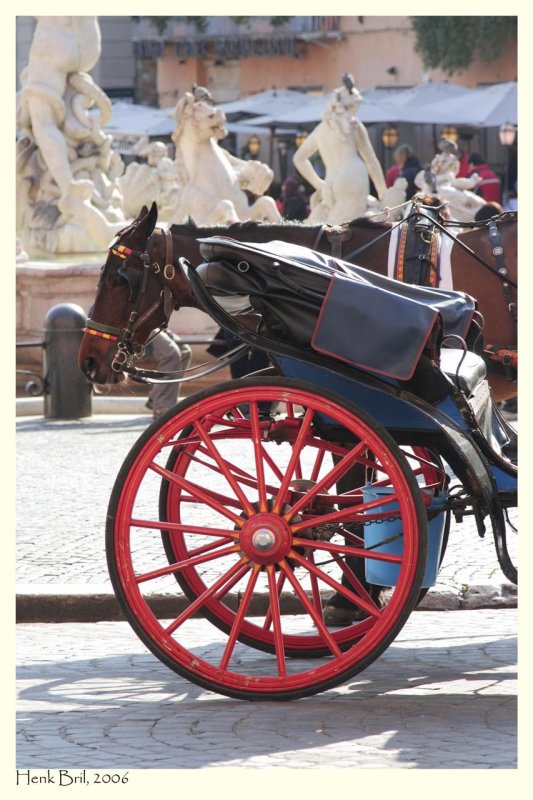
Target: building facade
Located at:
point(238, 56)
point(235, 59)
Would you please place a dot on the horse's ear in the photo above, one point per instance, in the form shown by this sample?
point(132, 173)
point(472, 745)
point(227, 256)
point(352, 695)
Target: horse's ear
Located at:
point(151, 219)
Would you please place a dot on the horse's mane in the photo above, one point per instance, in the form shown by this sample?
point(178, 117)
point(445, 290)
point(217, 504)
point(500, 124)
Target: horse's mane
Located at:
point(191, 229)
point(367, 222)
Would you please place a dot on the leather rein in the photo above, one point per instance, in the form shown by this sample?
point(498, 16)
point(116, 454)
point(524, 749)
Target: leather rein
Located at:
point(129, 350)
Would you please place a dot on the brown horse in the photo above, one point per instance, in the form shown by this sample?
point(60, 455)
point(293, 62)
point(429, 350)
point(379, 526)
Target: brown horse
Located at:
point(361, 241)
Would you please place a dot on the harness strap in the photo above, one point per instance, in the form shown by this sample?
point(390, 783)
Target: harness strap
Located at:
point(497, 252)
point(468, 250)
point(417, 254)
point(319, 236)
point(336, 237)
point(104, 331)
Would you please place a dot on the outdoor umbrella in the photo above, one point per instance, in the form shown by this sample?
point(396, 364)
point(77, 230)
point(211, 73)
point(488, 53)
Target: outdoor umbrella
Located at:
point(485, 107)
point(311, 114)
point(272, 102)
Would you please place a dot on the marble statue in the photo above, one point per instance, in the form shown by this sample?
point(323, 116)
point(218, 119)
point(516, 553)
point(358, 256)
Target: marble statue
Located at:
point(213, 182)
point(157, 180)
point(393, 206)
point(440, 179)
point(68, 200)
point(349, 159)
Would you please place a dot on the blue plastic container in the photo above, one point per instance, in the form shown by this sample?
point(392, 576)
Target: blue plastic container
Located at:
point(384, 573)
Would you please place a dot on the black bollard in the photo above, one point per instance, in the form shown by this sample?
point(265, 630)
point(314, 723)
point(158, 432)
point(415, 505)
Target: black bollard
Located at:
point(69, 393)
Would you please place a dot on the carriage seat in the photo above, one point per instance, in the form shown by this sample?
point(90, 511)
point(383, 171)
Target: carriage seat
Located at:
point(466, 374)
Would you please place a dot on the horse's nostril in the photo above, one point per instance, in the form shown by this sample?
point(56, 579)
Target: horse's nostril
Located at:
point(89, 367)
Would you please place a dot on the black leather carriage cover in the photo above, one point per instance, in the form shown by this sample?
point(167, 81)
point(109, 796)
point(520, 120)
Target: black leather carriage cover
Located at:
point(313, 300)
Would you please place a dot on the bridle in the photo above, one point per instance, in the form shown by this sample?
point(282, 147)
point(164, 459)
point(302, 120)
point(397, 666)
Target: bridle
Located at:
point(137, 280)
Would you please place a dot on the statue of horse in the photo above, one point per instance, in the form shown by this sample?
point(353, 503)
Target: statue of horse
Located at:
point(213, 183)
point(361, 241)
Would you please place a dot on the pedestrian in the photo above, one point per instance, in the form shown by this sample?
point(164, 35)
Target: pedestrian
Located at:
point(395, 170)
point(170, 355)
point(489, 186)
point(409, 165)
point(294, 204)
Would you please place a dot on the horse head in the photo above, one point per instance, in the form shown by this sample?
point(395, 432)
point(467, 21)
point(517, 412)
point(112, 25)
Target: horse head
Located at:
point(139, 287)
point(197, 117)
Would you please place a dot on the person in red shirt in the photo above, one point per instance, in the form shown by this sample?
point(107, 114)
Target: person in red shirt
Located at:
point(489, 187)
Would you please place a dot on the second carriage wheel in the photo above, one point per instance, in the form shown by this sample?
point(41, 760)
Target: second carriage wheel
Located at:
point(259, 534)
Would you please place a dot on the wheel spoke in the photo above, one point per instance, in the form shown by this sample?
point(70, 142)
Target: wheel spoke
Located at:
point(273, 466)
point(239, 617)
point(214, 453)
point(345, 549)
point(206, 548)
point(258, 452)
point(328, 480)
point(370, 608)
point(276, 621)
point(310, 608)
point(321, 452)
point(317, 600)
point(241, 567)
point(354, 580)
point(296, 450)
point(180, 527)
point(354, 513)
point(268, 618)
point(297, 465)
point(244, 478)
point(201, 494)
point(186, 562)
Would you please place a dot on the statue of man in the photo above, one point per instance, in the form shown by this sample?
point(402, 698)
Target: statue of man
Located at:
point(60, 46)
point(344, 146)
point(440, 179)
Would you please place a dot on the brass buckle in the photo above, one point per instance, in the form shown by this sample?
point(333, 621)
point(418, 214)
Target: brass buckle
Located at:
point(169, 272)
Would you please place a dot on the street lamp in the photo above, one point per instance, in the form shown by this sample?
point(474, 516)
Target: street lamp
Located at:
point(389, 136)
point(300, 138)
point(507, 134)
point(450, 132)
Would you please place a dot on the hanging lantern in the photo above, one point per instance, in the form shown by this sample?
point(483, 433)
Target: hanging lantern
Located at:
point(253, 145)
point(389, 136)
point(450, 132)
point(300, 138)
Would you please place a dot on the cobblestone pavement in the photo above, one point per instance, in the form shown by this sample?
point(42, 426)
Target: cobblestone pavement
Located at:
point(442, 696)
point(65, 473)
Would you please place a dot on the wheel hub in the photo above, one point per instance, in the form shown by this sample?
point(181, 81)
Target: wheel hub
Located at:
point(266, 538)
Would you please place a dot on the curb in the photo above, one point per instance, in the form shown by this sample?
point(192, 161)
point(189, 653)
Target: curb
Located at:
point(101, 404)
point(92, 603)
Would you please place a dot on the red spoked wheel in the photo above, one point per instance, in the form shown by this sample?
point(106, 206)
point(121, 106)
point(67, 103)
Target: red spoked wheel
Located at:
point(256, 535)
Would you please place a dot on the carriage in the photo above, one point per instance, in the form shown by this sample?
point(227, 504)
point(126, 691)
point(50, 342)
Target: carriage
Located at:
point(337, 470)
